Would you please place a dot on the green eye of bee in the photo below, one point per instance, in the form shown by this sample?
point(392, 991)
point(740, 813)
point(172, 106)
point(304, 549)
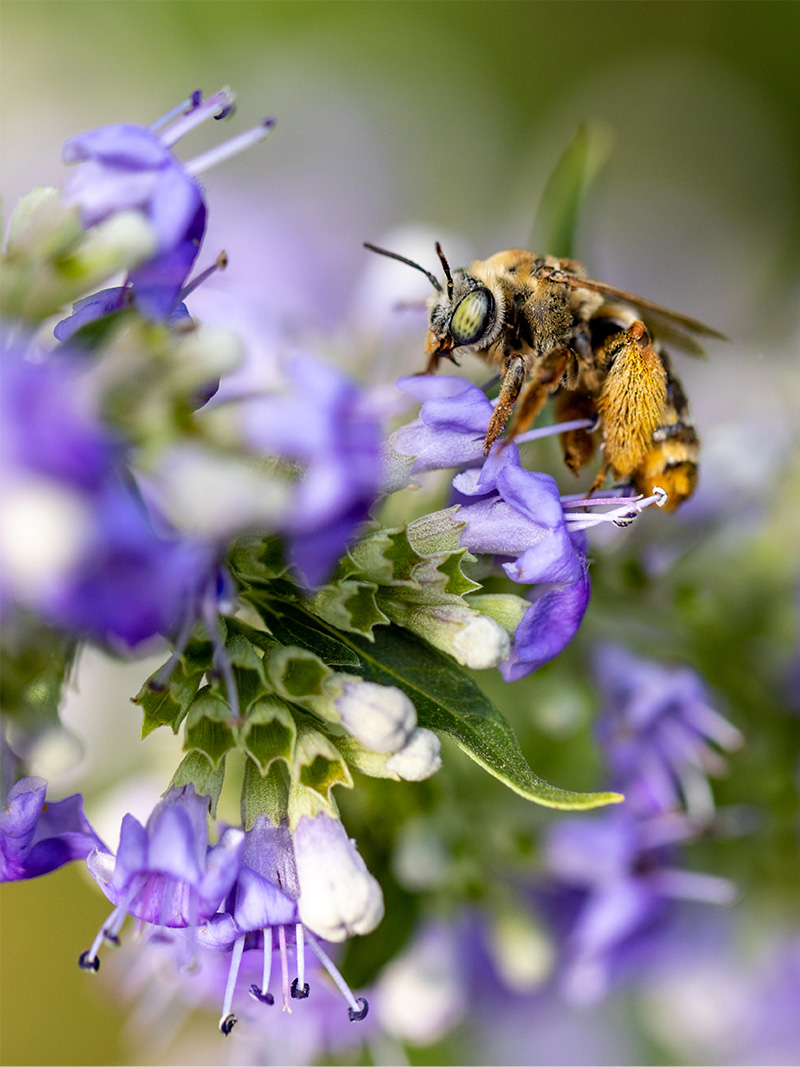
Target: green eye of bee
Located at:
point(471, 317)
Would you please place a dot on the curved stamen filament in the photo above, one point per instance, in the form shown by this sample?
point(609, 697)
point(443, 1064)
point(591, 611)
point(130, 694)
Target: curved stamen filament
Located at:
point(356, 1006)
point(179, 109)
point(221, 101)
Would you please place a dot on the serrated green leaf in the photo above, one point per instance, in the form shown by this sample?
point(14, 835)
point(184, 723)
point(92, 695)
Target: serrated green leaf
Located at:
point(207, 778)
point(449, 702)
point(208, 704)
point(213, 739)
point(293, 625)
point(559, 209)
point(168, 705)
point(270, 733)
point(248, 668)
point(349, 605)
point(258, 560)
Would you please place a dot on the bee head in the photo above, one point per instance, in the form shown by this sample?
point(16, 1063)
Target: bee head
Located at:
point(462, 314)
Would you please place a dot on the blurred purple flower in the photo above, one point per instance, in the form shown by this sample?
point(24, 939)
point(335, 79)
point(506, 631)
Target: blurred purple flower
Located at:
point(80, 547)
point(324, 423)
point(657, 728)
point(126, 167)
point(50, 424)
point(619, 870)
point(37, 837)
point(165, 873)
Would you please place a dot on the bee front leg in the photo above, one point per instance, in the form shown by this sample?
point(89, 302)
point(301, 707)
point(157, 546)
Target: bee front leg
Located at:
point(513, 380)
point(547, 376)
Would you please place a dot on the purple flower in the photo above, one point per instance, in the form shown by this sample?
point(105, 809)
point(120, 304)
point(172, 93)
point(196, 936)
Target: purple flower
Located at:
point(165, 873)
point(658, 728)
point(516, 515)
point(451, 426)
point(617, 883)
point(129, 583)
point(50, 423)
point(79, 546)
point(37, 837)
point(261, 914)
point(324, 423)
point(128, 167)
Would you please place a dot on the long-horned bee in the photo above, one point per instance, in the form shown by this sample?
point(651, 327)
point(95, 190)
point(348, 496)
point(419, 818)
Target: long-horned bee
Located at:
point(549, 329)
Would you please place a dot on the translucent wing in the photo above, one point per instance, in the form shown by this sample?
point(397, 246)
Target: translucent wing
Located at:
point(672, 326)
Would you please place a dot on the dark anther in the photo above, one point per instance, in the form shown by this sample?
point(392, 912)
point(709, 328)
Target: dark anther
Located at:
point(111, 939)
point(224, 114)
point(197, 97)
point(357, 1016)
point(227, 1024)
point(262, 998)
point(297, 993)
point(87, 962)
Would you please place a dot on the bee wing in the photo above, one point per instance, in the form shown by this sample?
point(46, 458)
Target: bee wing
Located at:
point(673, 326)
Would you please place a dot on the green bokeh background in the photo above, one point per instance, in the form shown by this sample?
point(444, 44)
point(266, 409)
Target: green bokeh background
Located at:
point(451, 114)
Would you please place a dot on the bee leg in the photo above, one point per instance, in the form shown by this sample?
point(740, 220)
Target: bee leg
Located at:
point(633, 398)
point(546, 380)
point(513, 380)
point(601, 477)
point(578, 446)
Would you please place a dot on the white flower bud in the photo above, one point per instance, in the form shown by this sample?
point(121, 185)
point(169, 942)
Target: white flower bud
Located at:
point(480, 643)
point(338, 895)
point(474, 640)
point(381, 717)
point(419, 758)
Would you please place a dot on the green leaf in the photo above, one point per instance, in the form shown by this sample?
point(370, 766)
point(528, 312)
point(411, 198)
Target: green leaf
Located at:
point(449, 702)
point(168, 705)
point(349, 605)
point(270, 733)
point(198, 770)
point(292, 625)
point(556, 221)
point(214, 739)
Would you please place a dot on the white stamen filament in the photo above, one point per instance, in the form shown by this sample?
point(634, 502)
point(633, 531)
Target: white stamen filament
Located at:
point(220, 263)
point(179, 109)
point(219, 102)
point(620, 516)
point(301, 957)
point(692, 885)
point(333, 971)
point(233, 974)
point(558, 427)
point(284, 969)
point(266, 974)
point(229, 148)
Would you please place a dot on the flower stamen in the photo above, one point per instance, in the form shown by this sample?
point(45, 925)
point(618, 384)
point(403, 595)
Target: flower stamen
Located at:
point(358, 1006)
point(300, 989)
point(229, 148)
point(228, 1019)
point(219, 103)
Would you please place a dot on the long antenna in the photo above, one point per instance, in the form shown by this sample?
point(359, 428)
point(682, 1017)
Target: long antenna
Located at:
point(446, 269)
point(410, 263)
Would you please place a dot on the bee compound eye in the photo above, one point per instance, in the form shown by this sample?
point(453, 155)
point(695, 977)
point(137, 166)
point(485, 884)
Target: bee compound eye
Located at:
point(470, 320)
